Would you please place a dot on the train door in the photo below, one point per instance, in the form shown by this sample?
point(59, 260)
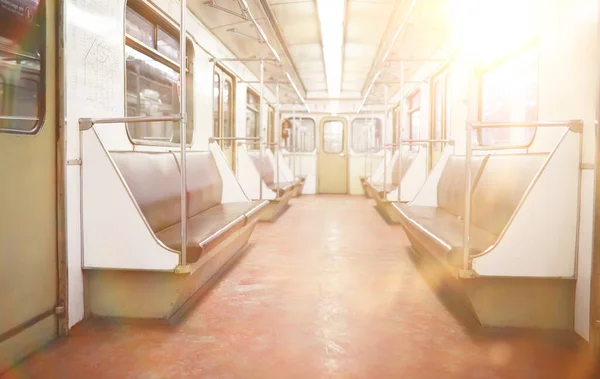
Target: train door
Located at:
point(28, 172)
point(333, 156)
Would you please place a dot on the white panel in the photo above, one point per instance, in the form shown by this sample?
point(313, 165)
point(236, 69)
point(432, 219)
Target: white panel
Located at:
point(115, 234)
point(232, 191)
point(94, 88)
point(540, 241)
point(249, 177)
point(413, 179)
point(584, 271)
point(75, 275)
point(298, 22)
point(428, 193)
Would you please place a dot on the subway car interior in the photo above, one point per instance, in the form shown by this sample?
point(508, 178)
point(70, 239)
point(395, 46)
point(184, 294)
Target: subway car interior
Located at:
point(334, 189)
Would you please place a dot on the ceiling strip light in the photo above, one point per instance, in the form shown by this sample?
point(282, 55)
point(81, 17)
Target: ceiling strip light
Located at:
point(331, 18)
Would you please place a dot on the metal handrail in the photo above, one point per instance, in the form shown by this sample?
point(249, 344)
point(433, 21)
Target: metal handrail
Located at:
point(87, 123)
point(575, 126)
point(211, 139)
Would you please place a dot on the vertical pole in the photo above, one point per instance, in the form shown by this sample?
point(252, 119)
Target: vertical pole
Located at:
point(260, 122)
point(293, 140)
point(467, 231)
point(368, 150)
point(373, 130)
point(399, 135)
point(384, 133)
point(278, 138)
point(183, 132)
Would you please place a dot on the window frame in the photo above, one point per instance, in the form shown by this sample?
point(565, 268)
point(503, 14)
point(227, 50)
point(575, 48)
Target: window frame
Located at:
point(343, 138)
point(378, 122)
point(480, 73)
point(41, 104)
point(314, 140)
point(224, 76)
point(162, 22)
point(254, 108)
point(441, 77)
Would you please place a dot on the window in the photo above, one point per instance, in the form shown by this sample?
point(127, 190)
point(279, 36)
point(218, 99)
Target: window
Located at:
point(22, 40)
point(414, 117)
point(333, 137)
point(441, 106)
point(223, 93)
point(367, 135)
point(152, 76)
point(252, 119)
point(300, 134)
point(509, 93)
point(271, 126)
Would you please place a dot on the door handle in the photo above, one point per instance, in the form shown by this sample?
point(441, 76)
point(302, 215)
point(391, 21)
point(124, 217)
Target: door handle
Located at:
point(342, 155)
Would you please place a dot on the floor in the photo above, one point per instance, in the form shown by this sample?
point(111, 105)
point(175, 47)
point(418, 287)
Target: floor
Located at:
point(328, 291)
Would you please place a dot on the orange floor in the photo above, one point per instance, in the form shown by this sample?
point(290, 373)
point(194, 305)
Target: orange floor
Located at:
point(328, 291)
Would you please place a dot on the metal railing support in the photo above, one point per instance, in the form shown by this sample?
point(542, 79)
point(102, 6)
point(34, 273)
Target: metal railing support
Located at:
point(278, 135)
point(399, 131)
point(183, 131)
point(261, 112)
point(383, 135)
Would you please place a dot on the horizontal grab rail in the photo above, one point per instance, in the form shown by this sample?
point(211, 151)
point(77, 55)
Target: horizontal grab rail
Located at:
point(574, 125)
point(212, 139)
point(87, 123)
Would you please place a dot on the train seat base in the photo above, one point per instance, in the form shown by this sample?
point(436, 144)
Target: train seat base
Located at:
point(437, 232)
point(217, 232)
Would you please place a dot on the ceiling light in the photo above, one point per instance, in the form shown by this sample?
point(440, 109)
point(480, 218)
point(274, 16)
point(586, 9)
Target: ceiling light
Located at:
point(331, 18)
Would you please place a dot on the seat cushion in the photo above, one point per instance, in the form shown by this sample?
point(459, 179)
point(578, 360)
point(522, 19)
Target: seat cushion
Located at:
point(209, 228)
point(408, 212)
point(442, 236)
point(283, 186)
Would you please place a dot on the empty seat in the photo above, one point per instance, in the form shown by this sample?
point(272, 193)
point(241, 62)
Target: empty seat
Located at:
point(267, 174)
point(380, 187)
point(154, 180)
point(498, 185)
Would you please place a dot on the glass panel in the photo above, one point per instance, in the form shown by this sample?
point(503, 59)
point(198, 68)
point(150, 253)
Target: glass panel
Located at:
point(509, 94)
point(139, 28)
point(227, 107)
point(366, 135)
point(216, 104)
point(333, 137)
point(253, 99)
point(415, 123)
point(168, 45)
point(151, 91)
point(438, 111)
point(414, 100)
point(301, 135)
point(21, 44)
point(251, 126)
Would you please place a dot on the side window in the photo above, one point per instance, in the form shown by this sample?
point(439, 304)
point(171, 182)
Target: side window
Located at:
point(22, 41)
point(216, 104)
point(367, 135)
point(440, 108)
point(252, 120)
point(414, 116)
point(299, 134)
point(152, 78)
point(223, 95)
point(509, 93)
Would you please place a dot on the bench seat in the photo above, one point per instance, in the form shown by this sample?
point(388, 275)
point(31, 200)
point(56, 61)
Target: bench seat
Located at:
point(265, 170)
point(498, 184)
point(154, 180)
point(380, 188)
point(211, 227)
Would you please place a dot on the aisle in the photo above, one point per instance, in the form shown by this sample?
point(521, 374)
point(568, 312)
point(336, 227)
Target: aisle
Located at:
point(328, 291)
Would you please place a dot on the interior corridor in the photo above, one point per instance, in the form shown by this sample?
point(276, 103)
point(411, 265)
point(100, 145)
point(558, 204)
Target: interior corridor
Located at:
point(327, 291)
